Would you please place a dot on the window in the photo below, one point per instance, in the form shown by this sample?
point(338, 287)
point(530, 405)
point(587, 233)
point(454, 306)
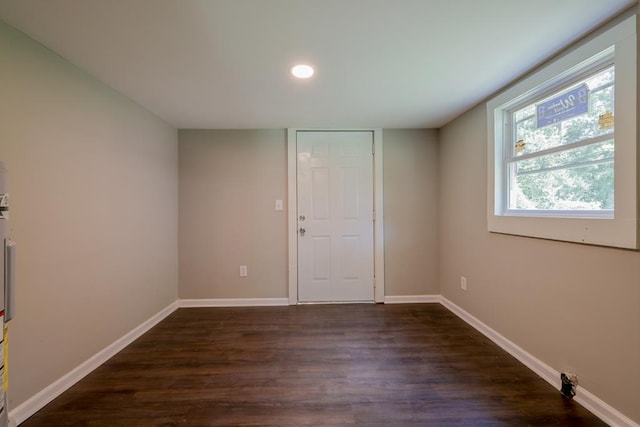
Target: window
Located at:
point(563, 147)
point(560, 153)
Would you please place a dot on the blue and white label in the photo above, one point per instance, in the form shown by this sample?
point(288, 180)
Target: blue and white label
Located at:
point(564, 106)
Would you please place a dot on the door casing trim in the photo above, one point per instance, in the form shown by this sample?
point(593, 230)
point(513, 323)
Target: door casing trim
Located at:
point(292, 211)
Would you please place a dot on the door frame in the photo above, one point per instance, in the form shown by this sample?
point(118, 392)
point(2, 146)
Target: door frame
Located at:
point(378, 206)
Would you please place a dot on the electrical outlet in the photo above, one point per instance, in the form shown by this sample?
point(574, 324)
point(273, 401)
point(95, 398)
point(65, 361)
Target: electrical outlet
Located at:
point(463, 283)
point(243, 271)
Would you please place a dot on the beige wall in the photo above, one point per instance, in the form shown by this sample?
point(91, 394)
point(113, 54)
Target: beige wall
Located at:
point(93, 184)
point(229, 182)
point(575, 307)
point(411, 211)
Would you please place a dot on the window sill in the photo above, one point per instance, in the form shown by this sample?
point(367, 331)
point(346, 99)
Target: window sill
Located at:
point(614, 232)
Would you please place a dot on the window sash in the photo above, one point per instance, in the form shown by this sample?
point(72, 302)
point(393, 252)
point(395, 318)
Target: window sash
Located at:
point(565, 166)
point(511, 174)
point(511, 124)
point(559, 148)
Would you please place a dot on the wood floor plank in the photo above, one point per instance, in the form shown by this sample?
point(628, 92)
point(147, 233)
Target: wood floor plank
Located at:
point(360, 365)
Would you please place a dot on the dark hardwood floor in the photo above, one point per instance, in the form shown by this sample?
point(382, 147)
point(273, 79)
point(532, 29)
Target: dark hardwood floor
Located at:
point(365, 365)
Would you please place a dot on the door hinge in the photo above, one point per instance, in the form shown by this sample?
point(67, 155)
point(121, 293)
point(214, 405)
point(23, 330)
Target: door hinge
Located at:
point(373, 148)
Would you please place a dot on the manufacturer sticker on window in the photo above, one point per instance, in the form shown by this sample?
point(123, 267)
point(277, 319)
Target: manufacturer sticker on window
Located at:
point(606, 120)
point(567, 105)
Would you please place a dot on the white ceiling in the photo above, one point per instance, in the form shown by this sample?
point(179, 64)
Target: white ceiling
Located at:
point(380, 63)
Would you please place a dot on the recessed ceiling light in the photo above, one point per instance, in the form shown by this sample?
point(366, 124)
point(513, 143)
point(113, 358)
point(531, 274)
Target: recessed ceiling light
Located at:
point(302, 71)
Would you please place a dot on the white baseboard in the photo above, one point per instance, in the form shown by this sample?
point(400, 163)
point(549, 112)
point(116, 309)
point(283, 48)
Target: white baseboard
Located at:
point(20, 413)
point(602, 410)
point(411, 299)
point(233, 302)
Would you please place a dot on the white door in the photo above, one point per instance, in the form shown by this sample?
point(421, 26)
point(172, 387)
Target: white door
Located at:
point(335, 216)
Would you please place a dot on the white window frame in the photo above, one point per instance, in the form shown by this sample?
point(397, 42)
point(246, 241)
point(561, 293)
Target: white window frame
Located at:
point(620, 230)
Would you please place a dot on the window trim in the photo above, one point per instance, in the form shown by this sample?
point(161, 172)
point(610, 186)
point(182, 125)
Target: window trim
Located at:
point(619, 231)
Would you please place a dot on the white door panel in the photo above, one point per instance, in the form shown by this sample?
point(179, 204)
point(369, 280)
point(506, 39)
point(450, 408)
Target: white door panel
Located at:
point(335, 209)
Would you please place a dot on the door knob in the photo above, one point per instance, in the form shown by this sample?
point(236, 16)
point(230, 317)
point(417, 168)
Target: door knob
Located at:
point(302, 231)
point(302, 217)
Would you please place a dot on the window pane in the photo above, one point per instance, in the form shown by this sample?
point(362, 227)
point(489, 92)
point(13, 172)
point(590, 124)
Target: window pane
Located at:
point(529, 138)
point(605, 77)
point(525, 112)
point(586, 188)
point(586, 126)
point(535, 140)
point(567, 158)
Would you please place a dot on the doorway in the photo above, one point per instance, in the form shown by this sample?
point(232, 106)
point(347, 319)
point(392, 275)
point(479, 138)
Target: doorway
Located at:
point(335, 216)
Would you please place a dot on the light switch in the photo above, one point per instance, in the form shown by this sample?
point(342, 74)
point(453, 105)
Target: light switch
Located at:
point(278, 205)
